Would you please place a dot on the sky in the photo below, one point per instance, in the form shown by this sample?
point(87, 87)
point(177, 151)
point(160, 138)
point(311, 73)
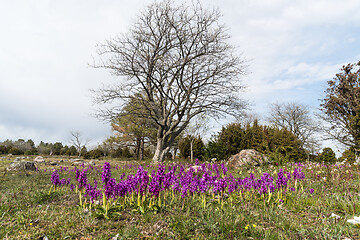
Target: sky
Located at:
point(292, 49)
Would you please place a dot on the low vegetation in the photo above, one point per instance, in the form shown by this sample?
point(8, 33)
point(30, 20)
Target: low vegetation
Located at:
point(137, 200)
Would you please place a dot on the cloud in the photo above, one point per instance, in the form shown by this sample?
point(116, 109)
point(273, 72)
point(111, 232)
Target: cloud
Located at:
point(293, 48)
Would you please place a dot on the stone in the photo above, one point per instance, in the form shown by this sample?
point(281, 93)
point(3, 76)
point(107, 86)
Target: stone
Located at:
point(196, 168)
point(21, 165)
point(39, 159)
point(77, 163)
point(247, 158)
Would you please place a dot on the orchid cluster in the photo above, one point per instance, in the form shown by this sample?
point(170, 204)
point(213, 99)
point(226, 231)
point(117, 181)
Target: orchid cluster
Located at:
point(170, 182)
point(56, 181)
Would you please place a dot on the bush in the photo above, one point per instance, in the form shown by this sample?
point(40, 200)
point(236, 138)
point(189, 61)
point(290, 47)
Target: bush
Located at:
point(327, 156)
point(4, 149)
point(126, 153)
point(348, 155)
point(15, 151)
point(94, 154)
point(30, 152)
point(280, 144)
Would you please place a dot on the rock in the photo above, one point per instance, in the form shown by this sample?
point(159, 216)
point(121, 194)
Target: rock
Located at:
point(53, 163)
point(77, 163)
point(196, 168)
point(92, 162)
point(21, 165)
point(39, 159)
point(247, 158)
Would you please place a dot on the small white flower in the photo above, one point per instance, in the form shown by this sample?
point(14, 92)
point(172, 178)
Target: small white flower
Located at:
point(355, 221)
point(333, 215)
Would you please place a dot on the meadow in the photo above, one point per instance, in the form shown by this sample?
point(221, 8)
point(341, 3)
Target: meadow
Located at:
point(180, 200)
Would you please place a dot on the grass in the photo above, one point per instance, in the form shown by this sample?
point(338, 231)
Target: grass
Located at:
point(29, 211)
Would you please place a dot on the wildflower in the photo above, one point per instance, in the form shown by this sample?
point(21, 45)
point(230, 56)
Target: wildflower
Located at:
point(83, 179)
point(281, 182)
point(333, 215)
point(311, 190)
point(247, 227)
point(224, 168)
point(292, 189)
point(106, 173)
point(30, 224)
point(280, 200)
point(254, 225)
point(55, 178)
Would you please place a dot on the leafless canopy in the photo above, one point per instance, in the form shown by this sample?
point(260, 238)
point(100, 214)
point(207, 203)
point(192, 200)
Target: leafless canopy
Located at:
point(296, 118)
point(77, 141)
point(177, 62)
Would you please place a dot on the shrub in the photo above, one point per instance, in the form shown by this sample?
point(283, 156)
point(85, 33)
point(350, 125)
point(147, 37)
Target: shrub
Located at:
point(327, 155)
point(4, 149)
point(94, 154)
point(15, 151)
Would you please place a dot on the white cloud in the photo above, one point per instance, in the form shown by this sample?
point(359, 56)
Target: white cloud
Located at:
point(293, 48)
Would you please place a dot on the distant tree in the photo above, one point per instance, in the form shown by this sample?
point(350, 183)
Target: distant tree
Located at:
point(94, 154)
point(83, 151)
point(15, 151)
point(78, 142)
point(284, 143)
point(254, 137)
point(328, 155)
point(348, 155)
point(43, 148)
point(216, 149)
point(56, 148)
point(4, 149)
point(297, 119)
point(341, 107)
point(72, 151)
point(197, 127)
point(178, 63)
point(191, 146)
point(233, 138)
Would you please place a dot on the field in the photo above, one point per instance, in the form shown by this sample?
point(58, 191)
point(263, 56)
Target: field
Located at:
point(177, 201)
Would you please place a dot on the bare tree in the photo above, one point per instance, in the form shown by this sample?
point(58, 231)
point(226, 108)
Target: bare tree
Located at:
point(296, 118)
point(177, 62)
point(78, 142)
point(196, 128)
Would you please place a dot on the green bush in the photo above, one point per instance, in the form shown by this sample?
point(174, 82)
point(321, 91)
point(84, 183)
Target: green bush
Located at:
point(327, 156)
point(15, 151)
point(278, 144)
point(94, 154)
point(348, 155)
point(4, 149)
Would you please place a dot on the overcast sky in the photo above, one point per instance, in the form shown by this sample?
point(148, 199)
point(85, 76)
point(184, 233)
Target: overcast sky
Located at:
point(293, 48)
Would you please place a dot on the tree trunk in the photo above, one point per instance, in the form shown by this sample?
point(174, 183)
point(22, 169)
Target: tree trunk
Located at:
point(174, 153)
point(191, 149)
point(160, 151)
point(141, 149)
point(137, 148)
